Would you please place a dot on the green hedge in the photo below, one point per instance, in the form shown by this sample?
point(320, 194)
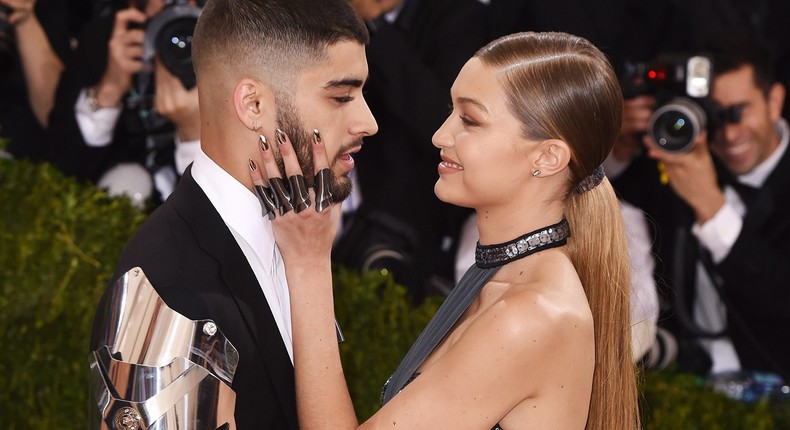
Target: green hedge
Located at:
point(379, 325)
point(59, 241)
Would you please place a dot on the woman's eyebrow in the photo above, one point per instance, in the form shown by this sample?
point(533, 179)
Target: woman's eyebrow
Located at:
point(467, 100)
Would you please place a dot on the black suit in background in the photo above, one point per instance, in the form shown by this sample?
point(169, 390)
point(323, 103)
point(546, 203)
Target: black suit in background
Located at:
point(196, 266)
point(753, 280)
point(413, 63)
point(755, 277)
point(601, 22)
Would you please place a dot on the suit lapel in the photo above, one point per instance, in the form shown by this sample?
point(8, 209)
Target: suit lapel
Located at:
point(215, 238)
point(767, 197)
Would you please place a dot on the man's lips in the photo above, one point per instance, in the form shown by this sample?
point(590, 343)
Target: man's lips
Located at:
point(349, 155)
point(346, 159)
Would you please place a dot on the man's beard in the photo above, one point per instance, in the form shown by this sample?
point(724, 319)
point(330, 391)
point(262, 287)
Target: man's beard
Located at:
point(291, 124)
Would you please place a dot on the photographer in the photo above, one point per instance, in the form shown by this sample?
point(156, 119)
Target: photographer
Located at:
point(114, 108)
point(724, 228)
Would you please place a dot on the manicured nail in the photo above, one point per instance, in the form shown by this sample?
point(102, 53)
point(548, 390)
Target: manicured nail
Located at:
point(281, 137)
point(253, 167)
point(316, 136)
point(264, 143)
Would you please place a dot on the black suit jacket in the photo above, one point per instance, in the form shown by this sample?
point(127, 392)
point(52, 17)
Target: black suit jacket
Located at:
point(753, 280)
point(198, 269)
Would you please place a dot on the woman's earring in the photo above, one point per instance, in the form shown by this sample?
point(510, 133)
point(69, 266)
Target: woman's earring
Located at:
point(255, 126)
point(536, 172)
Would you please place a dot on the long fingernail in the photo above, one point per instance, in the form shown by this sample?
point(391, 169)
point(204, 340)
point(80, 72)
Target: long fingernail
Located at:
point(253, 167)
point(281, 137)
point(264, 143)
point(316, 136)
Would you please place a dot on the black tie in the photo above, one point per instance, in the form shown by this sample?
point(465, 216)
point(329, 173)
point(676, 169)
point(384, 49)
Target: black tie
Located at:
point(747, 193)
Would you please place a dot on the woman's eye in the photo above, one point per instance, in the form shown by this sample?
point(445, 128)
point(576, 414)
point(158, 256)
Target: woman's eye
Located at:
point(468, 121)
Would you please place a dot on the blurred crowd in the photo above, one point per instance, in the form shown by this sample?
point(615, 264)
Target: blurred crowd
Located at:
point(103, 89)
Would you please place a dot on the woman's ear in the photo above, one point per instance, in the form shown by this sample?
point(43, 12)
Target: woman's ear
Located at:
point(249, 101)
point(553, 156)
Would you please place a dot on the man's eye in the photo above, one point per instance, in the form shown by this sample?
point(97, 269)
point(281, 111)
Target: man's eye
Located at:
point(343, 99)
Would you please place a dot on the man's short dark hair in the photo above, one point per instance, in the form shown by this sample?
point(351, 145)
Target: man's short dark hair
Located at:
point(731, 52)
point(272, 35)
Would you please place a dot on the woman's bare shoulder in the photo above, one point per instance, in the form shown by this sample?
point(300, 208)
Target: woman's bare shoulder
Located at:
point(547, 308)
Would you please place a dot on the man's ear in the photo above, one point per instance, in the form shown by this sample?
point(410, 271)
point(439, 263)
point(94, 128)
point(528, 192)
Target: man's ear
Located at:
point(553, 155)
point(776, 99)
point(250, 100)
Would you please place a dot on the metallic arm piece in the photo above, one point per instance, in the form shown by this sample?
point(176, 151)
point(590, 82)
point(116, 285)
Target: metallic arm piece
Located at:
point(156, 369)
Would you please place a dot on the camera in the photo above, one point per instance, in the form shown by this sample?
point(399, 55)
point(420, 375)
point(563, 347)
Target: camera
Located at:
point(681, 85)
point(169, 35)
point(375, 240)
point(7, 41)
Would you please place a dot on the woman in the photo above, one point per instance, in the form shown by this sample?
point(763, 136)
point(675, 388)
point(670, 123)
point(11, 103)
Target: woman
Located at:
point(544, 343)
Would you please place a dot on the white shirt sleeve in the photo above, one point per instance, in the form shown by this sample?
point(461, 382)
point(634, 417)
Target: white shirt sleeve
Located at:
point(185, 153)
point(96, 126)
point(644, 295)
point(719, 233)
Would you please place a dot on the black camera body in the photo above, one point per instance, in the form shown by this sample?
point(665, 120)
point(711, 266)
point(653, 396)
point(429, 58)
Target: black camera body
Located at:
point(168, 35)
point(681, 85)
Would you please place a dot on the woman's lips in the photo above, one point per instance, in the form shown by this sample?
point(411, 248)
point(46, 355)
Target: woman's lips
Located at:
point(449, 166)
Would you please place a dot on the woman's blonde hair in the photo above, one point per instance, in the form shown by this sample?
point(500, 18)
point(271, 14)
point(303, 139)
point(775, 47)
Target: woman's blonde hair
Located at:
point(562, 87)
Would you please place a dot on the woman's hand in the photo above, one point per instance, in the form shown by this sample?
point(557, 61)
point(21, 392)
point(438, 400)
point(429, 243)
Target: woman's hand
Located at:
point(304, 231)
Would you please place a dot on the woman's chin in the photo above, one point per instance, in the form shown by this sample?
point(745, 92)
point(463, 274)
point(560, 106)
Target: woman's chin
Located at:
point(447, 196)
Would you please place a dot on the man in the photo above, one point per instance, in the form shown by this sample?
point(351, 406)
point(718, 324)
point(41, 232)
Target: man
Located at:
point(114, 109)
point(296, 65)
point(728, 260)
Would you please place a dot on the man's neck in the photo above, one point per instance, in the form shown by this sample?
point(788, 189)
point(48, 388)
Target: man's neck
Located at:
point(757, 176)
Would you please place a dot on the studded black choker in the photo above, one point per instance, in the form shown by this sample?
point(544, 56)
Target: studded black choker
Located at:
point(488, 256)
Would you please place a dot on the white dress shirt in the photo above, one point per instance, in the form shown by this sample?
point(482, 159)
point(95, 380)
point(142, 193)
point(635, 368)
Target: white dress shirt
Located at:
point(718, 235)
point(241, 211)
point(97, 128)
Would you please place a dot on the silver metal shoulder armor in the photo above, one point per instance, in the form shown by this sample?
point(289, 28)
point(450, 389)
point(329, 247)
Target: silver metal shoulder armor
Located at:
point(157, 369)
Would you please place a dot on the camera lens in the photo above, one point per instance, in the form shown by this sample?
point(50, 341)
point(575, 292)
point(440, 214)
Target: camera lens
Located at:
point(169, 35)
point(676, 125)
